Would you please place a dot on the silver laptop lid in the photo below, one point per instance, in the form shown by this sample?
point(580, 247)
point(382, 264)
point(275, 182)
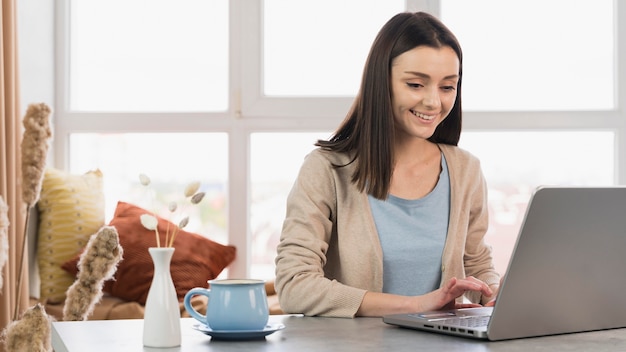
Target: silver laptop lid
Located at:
point(566, 273)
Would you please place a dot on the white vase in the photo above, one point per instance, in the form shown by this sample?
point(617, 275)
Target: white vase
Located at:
point(161, 325)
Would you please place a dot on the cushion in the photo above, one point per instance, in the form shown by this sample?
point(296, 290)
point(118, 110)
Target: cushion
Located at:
point(196, 258)
point(71, 209)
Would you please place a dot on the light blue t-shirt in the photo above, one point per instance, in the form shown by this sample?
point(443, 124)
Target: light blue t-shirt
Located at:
point(412, 235)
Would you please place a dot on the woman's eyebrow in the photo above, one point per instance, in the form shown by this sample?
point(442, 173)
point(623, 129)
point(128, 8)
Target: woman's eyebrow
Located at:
point(426, 76)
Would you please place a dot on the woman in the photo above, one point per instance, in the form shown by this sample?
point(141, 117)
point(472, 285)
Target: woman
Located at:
point(388, 216)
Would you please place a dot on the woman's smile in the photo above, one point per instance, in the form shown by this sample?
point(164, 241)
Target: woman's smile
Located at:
point(422, 116)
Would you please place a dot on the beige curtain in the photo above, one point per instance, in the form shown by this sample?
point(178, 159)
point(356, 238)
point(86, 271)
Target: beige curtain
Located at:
point(10, 187)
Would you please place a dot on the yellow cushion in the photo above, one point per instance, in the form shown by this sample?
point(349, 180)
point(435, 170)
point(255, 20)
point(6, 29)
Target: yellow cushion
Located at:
point(71, 209)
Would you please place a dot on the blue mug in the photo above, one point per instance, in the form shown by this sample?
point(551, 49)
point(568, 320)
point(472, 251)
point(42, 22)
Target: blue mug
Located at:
point(234, 304)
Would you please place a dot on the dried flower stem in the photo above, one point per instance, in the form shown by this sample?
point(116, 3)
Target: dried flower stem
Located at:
point(167, 235)
point(34, 149)
point(182, 224)
point(150, 222)
point(171, 242)
point(4, 236)
point(195, 198)
point(20, 274)
point(97, 264)
point(156, 233)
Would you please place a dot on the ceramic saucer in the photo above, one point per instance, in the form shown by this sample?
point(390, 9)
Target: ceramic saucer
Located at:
point(239, 334)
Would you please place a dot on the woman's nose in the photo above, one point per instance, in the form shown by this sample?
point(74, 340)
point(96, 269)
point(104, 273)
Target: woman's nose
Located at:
point(431, 98)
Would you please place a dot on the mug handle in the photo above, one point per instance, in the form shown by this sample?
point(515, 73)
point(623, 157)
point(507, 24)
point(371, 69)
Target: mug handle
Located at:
point(189, 308)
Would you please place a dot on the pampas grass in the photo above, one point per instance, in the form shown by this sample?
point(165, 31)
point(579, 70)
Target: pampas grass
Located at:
point(34, 150)
point(97, 264)
point(4, 236)
point(32, 333)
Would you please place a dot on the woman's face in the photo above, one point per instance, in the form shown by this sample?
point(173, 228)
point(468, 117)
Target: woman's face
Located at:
point(424, 86)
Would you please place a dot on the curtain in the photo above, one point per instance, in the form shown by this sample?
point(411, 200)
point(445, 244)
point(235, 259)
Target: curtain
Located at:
point(10, 187)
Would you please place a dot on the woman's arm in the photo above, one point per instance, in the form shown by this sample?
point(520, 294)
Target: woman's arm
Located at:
point(302, 252)
point(379, 304)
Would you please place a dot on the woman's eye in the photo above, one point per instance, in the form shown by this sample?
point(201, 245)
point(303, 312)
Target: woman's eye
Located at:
point(414, 85)
point(448, 88)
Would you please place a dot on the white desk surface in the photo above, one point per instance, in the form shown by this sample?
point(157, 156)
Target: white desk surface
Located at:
point(318, 334)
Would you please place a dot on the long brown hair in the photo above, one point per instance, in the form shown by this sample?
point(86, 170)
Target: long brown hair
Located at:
point(367, 132)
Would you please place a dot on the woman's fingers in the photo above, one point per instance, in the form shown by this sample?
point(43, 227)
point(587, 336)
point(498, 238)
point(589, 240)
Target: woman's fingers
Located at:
point(456, 287)
point(480, 286)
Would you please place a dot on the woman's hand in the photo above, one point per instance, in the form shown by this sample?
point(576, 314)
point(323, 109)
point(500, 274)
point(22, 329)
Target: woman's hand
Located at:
point(452, 289)
point(492, 302)
point(379, 304)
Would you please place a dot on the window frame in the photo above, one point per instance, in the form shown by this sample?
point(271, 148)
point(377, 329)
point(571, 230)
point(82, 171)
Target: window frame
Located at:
point(249, 112)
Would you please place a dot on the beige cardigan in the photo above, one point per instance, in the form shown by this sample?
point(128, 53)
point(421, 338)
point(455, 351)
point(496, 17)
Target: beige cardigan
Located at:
point(329, 253)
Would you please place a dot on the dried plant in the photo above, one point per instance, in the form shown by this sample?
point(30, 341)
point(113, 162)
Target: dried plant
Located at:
point(96, 265)
point(34, 149)
point(32, 333)
point(4, 236)
point(150, 222)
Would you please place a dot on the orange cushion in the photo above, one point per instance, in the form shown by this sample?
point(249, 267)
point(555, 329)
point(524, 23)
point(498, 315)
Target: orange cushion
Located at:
point(195, 260)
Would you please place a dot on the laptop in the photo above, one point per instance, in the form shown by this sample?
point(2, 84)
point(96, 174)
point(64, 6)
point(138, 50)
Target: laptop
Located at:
point(567, 272)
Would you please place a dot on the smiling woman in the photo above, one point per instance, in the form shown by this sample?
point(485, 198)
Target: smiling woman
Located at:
point(388, 215)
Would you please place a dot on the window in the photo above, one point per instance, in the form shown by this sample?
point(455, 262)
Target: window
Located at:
point(236, 97)
point(176, 60)
point(301, 57)
point(270, 185)
point(525, 55)
point(515, 163)
point(171, 165)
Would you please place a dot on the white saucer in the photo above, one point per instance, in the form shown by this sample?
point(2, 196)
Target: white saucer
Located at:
point(239, 334)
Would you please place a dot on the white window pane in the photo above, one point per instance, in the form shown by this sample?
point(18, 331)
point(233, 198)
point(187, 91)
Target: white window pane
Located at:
point(149, 55)
point(318, 48)
point(271, 181)
point(523, 161)
point(172, 161)
point(535, 54)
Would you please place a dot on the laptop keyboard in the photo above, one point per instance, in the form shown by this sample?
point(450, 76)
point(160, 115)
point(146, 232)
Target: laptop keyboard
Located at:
point(466, 322)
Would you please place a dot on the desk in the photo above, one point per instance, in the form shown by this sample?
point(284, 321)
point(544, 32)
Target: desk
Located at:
point(318, 334)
